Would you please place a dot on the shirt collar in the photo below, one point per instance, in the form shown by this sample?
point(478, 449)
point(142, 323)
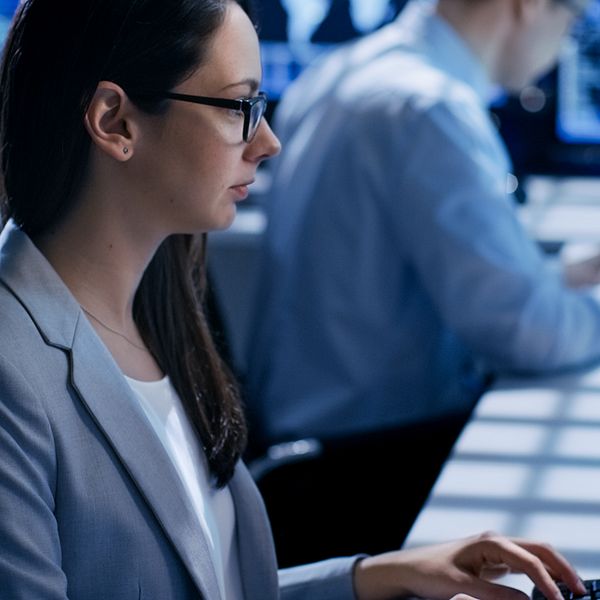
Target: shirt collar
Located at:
point(424, 30)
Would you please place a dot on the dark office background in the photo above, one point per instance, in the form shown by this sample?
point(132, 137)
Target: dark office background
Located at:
point(530, 135)
point(528, 125)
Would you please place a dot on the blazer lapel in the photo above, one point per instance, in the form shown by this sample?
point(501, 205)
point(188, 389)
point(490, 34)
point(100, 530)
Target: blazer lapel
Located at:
point(111, 402)
point(108, 398)
point(258, 563)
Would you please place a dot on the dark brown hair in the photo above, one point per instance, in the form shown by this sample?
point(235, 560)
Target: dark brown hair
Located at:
point(55, 55)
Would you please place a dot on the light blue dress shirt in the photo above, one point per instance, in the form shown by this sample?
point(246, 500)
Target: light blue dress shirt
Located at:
point(393, 254)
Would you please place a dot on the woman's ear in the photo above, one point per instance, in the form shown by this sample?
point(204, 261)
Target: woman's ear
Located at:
point(109, 121)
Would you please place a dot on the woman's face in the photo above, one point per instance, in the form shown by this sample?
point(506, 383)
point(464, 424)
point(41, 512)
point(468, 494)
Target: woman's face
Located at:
point(194, 164)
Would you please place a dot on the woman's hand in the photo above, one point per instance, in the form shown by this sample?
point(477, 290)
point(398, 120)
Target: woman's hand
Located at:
point(462, 568)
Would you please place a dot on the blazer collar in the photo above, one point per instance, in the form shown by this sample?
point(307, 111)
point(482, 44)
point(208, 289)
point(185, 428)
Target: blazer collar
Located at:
point(255, 542)
point(31, 278)
point(108, 398)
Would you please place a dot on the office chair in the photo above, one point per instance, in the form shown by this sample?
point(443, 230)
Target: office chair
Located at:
point(350, 495)
point(335, 497)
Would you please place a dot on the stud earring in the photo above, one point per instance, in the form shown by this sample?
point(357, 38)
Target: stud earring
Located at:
point(125, 150)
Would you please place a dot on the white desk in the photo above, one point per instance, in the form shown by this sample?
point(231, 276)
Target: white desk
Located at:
point(562, 209)
point(527, 464)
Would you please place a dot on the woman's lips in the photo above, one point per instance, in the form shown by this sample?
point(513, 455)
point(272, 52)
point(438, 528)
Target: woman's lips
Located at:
point(241, 190)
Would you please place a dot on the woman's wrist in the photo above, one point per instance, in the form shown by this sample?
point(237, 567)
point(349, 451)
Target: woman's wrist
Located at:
point(379, 577)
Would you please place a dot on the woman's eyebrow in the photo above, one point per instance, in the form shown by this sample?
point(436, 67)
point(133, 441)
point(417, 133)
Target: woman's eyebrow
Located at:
point(252, 83)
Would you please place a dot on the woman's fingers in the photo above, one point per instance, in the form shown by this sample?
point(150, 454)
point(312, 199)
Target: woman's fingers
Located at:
point(535, 560)
point(556, 563)
point(465, 567)
point(519, 559)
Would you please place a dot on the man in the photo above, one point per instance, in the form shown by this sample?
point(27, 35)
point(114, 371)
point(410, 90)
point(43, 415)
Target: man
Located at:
point(396, 272)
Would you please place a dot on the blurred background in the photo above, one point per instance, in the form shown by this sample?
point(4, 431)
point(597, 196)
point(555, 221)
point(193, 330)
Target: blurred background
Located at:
point(551, 127)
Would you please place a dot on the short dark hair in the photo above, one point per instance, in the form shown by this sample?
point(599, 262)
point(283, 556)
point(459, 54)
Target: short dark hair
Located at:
point(56, 54)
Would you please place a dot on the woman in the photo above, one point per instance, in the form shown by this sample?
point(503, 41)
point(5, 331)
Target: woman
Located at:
point(128, 126)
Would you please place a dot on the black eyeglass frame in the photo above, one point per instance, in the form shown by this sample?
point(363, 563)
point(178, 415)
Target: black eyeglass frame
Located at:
point(244, 105)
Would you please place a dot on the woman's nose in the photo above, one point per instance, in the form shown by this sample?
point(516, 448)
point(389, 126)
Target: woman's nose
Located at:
point(265, 144)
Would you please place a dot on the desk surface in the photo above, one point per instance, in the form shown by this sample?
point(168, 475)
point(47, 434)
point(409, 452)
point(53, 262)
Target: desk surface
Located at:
point(562, 209)
point(527, 464)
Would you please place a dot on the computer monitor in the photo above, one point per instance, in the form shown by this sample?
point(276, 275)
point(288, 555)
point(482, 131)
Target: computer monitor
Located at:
point(7, 9)
point(553, 127)
point(562, 123)
point(294, 32)
point(578, 84)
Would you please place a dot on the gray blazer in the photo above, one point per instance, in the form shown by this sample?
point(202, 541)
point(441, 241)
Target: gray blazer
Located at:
point(90, 505)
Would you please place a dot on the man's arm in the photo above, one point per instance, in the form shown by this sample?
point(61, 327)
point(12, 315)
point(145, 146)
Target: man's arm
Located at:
point(487, 278)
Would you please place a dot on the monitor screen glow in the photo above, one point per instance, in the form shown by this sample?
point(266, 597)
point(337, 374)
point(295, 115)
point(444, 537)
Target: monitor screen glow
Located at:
point(7, 9)
point(578, 86)
point(294, 32)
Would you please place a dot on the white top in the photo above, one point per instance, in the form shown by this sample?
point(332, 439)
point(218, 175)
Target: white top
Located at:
point(214, 508)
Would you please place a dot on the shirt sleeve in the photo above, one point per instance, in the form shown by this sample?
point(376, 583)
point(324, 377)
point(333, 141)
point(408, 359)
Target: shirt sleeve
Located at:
point(486, 277)
point(30, 559)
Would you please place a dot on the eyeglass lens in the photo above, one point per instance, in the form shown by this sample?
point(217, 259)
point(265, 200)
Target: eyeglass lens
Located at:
point(257, 110)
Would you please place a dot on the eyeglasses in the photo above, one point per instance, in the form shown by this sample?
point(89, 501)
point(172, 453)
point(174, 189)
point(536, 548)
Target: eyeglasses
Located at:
point(253, 109)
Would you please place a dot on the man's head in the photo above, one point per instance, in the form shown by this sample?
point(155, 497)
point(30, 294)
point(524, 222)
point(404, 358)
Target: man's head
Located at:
point(533, 45)
point(516, 40)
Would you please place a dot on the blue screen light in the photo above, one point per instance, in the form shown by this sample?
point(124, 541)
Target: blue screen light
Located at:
point(578, 94)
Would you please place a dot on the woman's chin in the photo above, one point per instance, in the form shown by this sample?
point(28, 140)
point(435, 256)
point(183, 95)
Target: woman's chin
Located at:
point(225, 220)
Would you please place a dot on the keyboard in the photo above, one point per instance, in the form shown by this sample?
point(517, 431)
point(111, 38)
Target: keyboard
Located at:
point(591, 585)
